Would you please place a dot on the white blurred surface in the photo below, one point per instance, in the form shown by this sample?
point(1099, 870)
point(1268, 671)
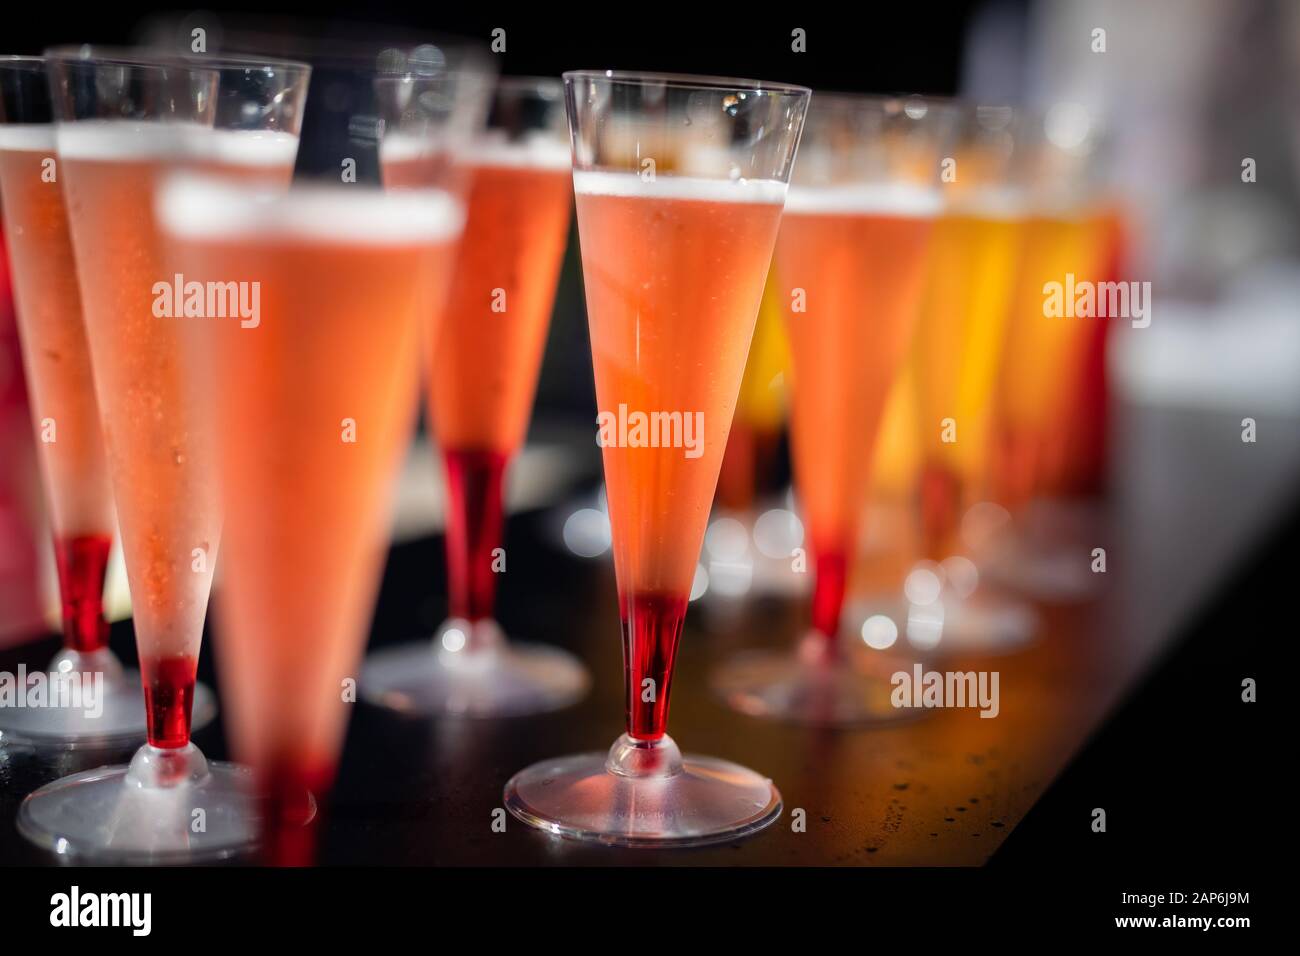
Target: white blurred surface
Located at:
point(1241, 352)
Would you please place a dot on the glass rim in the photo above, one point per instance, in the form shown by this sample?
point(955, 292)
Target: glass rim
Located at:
point(18, 61)
point(690, 81)
point(162, 58)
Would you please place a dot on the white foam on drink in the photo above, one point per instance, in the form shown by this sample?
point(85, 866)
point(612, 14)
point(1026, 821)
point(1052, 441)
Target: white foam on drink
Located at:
point(27, 136)
point(629, 184)
point(404, 147)
point(533, 152)
point(125, 140)
point(994, 202)
point(122, 140)
point(864, 199)
point(539, 152)
point(194, 207)
point(246, 147)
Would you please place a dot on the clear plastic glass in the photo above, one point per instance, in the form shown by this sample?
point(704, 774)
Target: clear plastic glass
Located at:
point(307, 451)
point(956, 359)
point(680, 183)
point(1049, 434)
point(850, 263)
point(1045, 550)
point(485, 362)
point(125, 119)
point(74, 468)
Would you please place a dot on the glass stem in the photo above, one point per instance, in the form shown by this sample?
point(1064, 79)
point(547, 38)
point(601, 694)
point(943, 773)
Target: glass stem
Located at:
point(82, 563)
point(169, 698)
point(475, 521)
point(830, 579)
point(941, 502)
point(291, 816)
point(652, 626)
point(1017, 466)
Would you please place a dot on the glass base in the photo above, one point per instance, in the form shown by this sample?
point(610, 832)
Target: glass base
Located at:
point(643, 794)
point(471, 670)
point(1056, 575)
point(147, 812)
point(809, 685)
point(119, 720)
point(1046, 553)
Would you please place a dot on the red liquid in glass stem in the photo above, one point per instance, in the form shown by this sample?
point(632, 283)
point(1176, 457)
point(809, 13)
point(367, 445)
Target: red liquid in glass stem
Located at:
point(830, 579)
point(1088, 475)
point(293, 798)
point(941, 502)
point(169, 698)
point(652, 626)
point(82, 562)
point(474, 526)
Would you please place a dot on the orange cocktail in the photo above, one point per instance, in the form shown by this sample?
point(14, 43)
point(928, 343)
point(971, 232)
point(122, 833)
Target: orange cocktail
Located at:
point(689, 297)
point(859, 256)
point(680, 183)
point(483, 366)
point(62, 391)
point(311, 411)
point(163, 475)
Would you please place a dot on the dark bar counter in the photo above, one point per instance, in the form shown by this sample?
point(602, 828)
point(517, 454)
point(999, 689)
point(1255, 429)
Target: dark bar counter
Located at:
point(1189, 503)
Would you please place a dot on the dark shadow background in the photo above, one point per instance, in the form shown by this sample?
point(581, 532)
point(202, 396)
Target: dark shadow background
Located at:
point(887, 49)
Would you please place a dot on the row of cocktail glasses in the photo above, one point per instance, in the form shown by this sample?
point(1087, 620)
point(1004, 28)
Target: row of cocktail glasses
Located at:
point(233, 362)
